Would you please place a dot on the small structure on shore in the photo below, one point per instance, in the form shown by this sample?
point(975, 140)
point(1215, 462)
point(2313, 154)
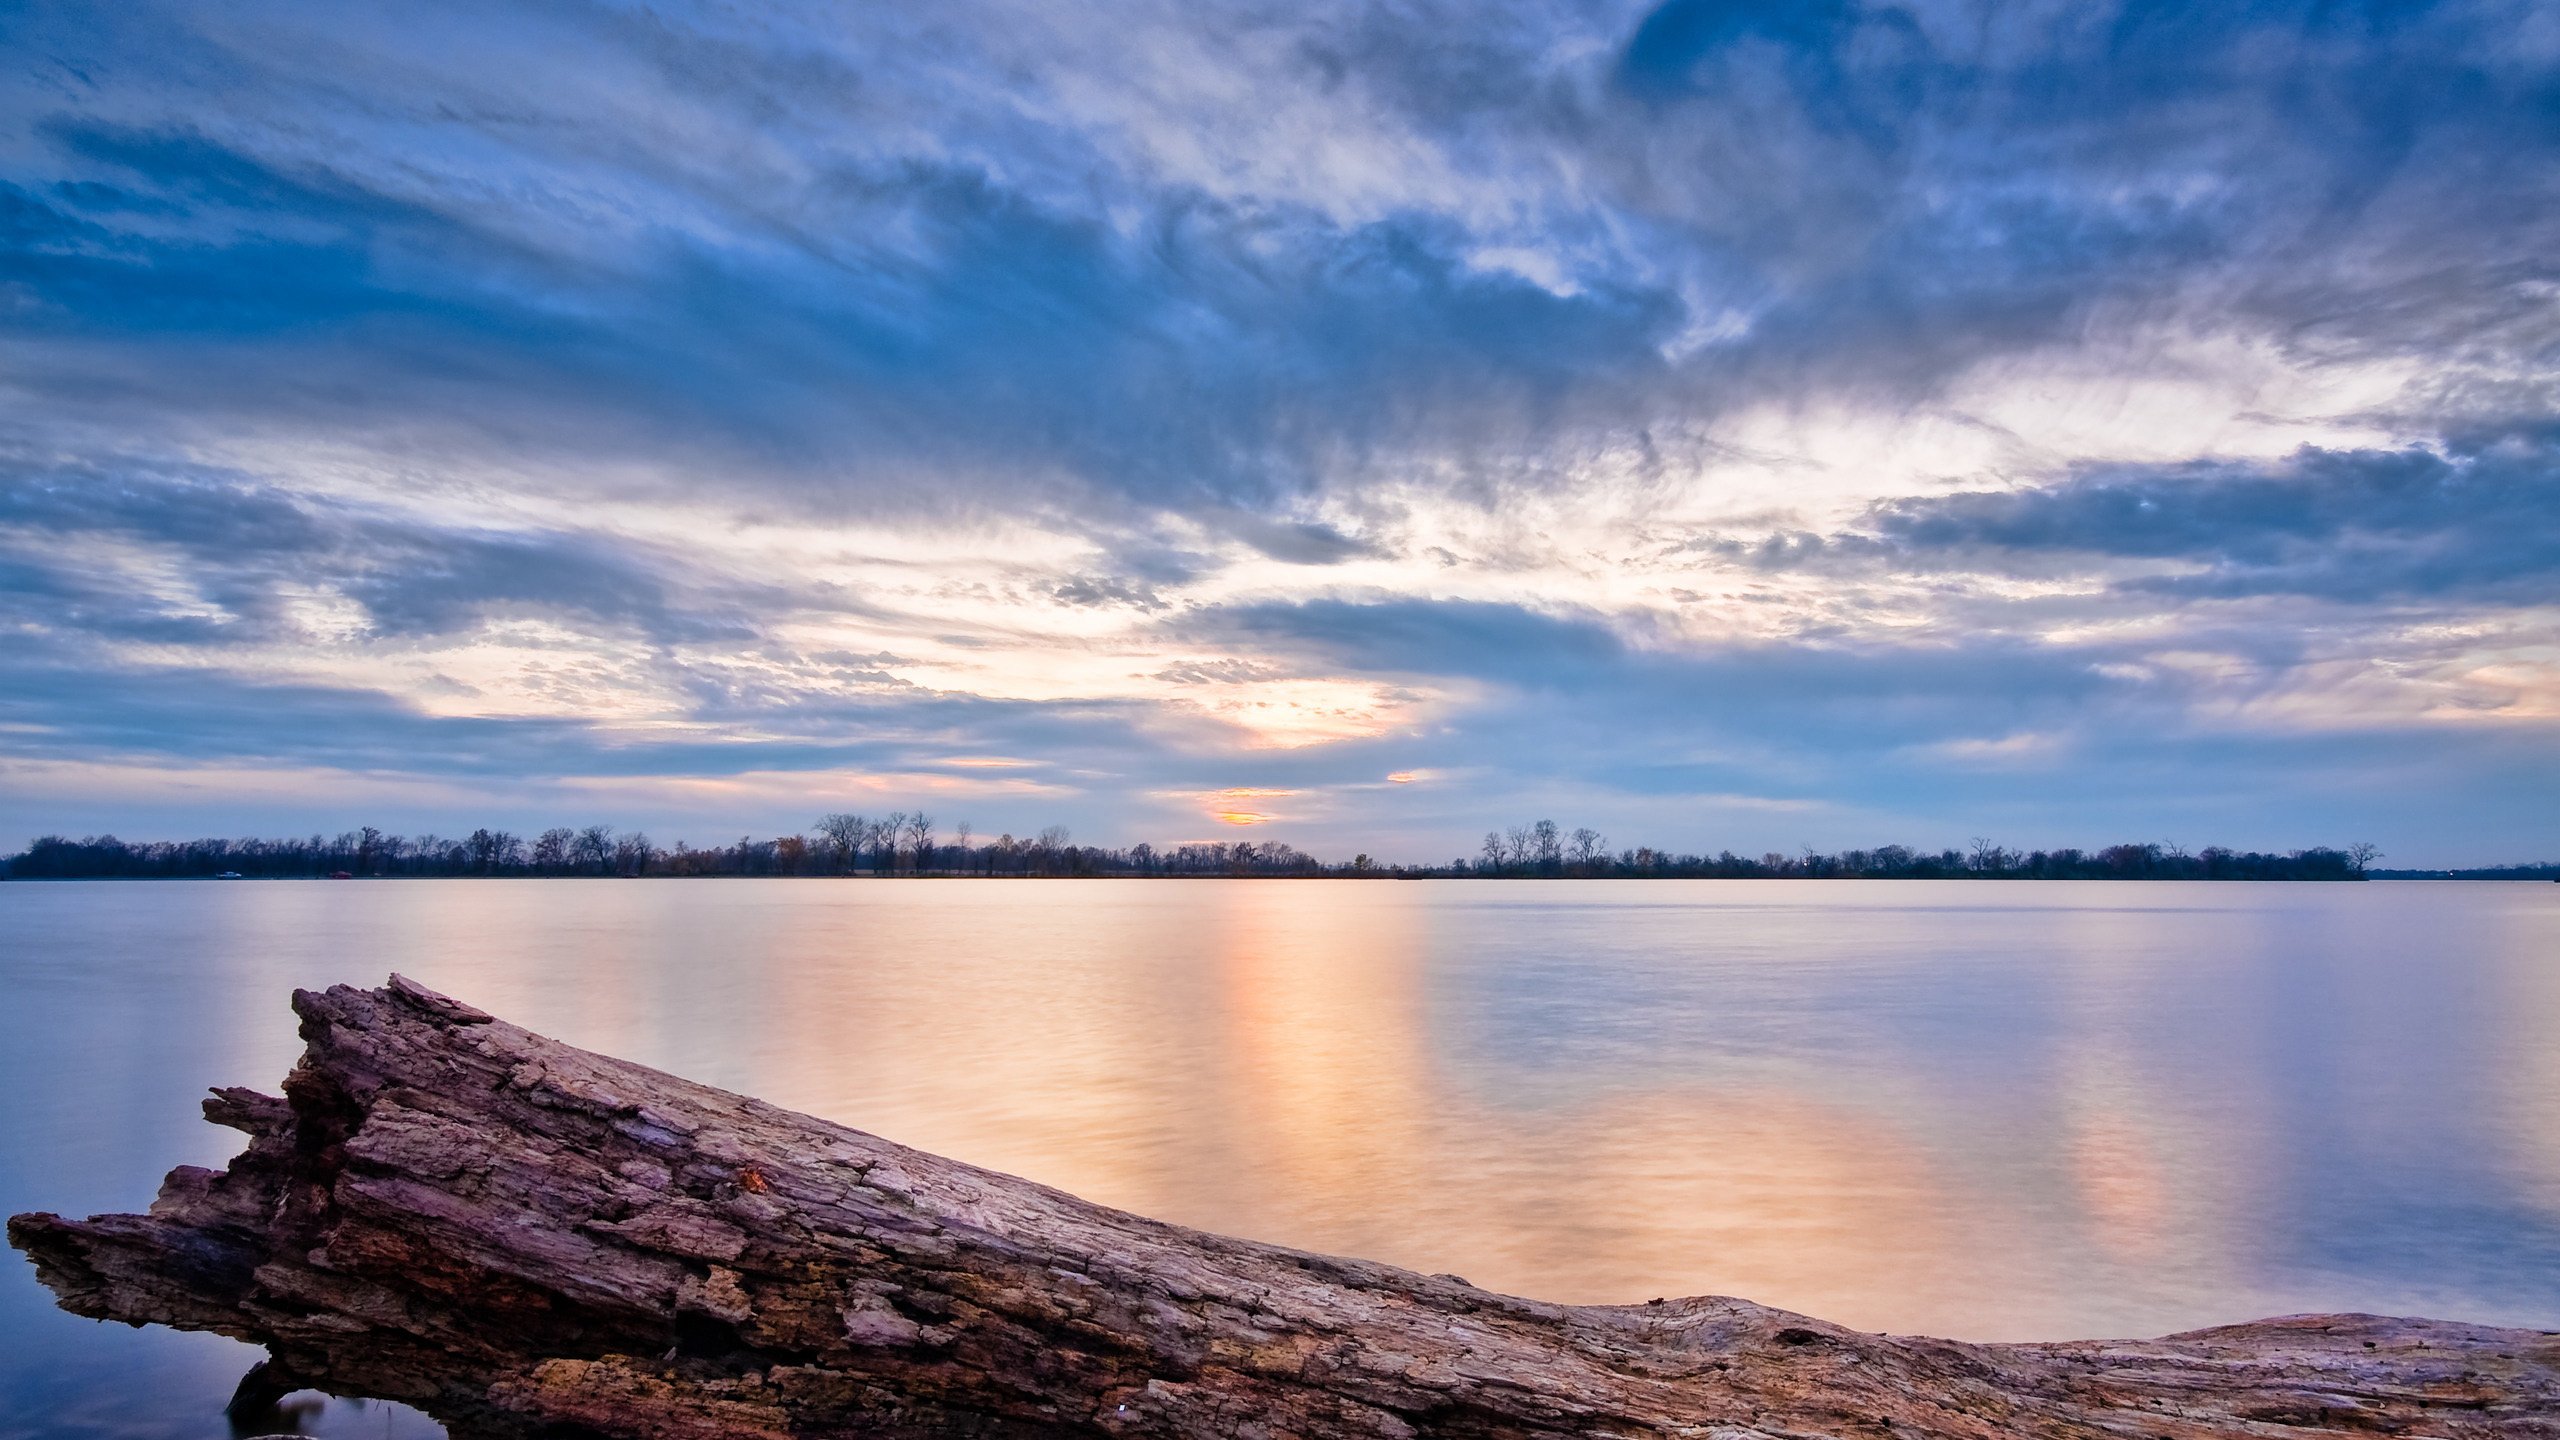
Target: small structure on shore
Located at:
point(526, 1239)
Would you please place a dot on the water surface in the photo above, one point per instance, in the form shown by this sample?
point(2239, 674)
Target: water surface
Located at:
point(1984, 1109)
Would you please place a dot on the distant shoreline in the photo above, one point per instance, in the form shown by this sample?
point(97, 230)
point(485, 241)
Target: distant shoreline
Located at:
point(2503, 875)
point(2499, 875)
point(908, 846)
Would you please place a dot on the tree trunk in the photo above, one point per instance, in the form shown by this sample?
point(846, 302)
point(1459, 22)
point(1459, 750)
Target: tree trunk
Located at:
point(522, 1239)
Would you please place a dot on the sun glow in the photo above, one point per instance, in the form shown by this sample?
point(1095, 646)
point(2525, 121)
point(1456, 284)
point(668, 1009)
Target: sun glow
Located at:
point(1232, 806)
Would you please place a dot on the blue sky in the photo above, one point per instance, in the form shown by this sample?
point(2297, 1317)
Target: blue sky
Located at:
point(1722, 424)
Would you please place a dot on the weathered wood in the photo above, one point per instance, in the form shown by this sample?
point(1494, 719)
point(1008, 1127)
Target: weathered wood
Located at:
point(524, 1238)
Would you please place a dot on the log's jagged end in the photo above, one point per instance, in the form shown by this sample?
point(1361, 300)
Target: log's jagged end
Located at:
point(524, 1238)
point(443, 1007)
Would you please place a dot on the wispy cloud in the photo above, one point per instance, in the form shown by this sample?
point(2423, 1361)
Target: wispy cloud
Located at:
point(1692, 415)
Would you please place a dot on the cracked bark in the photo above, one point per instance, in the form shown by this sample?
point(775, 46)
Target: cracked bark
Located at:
point(523, 1238)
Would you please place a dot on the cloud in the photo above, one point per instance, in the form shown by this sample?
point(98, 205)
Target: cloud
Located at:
point(1623, 406)
point(2479, 523)
point(1305, 543)
point(1010, 287)
point(946, 322)
point(1400, 636)
point(1102, 590)
point(1221, 672)
point(245, 548)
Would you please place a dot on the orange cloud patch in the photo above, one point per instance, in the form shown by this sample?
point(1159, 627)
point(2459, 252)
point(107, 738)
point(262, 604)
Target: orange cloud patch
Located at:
point(1232, 806)
point(1404, 777)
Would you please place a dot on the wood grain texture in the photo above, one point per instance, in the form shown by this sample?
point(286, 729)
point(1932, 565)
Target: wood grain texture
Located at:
point(523, 1238)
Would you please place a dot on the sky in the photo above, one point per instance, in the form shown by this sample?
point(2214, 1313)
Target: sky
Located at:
point(1723, 424)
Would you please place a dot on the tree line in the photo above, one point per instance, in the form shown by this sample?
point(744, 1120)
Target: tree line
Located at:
point(1542, 849)
point(909, 843)
point(899, 843)
point(2548, 870)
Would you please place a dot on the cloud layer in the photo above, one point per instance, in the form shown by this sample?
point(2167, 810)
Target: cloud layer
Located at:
point(1726, 423)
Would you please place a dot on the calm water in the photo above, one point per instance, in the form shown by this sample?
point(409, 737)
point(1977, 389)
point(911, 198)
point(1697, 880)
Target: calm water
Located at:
point(1976, 1109)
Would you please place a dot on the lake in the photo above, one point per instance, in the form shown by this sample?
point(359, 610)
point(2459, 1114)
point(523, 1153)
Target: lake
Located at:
point(1991, 1110)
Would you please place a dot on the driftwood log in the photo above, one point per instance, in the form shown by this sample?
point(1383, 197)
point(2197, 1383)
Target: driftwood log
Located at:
point(526, 1239)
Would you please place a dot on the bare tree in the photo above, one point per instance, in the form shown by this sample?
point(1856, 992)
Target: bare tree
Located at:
point(920, 840)
point(1050, 850)
point(960, 842)
point(2363, 853)
point(431, 849)
point(884, 842)
point(551, 849)
point(1494, 853)
point(844, 834)
point(1590, 847)
point(632, 854)
point(594, 849)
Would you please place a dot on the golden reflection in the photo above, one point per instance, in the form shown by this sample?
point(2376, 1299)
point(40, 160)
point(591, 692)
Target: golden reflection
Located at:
point(2110, 1111)
point(2121, 1185)
point(1737, 1191)
point(1042, 1051)
point(1573, 1098)
point(1327, 1083)
point(1260, 1059)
